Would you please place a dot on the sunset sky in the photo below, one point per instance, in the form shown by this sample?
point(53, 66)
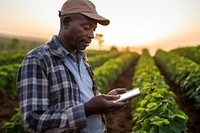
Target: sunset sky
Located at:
point(160, 23)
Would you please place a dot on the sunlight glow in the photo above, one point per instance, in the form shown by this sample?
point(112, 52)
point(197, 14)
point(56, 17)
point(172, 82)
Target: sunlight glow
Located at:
point(133, 22)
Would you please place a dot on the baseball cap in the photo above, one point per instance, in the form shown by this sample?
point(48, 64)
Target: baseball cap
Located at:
point(84, 7)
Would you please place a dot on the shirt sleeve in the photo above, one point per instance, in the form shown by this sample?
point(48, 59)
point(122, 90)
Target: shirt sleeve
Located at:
point(34, 103)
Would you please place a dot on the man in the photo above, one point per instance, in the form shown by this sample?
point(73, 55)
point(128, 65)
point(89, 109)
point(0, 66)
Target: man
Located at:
point(56, 85)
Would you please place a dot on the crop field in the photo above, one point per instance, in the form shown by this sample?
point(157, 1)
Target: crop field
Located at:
point(169, 83)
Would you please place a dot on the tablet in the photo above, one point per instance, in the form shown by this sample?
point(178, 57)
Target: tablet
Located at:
point(128, 95)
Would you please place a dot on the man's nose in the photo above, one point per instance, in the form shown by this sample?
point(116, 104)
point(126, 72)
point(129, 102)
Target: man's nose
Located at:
point(91, 34)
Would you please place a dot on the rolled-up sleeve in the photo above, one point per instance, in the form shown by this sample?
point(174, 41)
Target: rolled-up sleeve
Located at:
point(37, 114)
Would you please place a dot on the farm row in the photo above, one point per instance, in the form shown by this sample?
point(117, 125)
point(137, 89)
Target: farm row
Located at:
point(155, 110)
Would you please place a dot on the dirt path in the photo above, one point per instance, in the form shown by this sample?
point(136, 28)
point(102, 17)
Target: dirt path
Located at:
point(121, 121)
point(187, 106)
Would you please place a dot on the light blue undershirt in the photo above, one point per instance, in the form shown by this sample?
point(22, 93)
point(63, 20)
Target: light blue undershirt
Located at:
point(83, 79)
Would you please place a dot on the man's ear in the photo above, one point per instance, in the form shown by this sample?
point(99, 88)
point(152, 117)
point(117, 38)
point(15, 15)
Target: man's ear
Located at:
point(66, 20)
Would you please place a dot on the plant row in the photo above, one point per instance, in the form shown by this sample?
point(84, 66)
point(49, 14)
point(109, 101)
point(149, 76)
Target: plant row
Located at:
point(183, 72)
point(192, 53)
point(8, 75)
point(91, 53)
point(155, 110)
point(10, 57)
point(110, 70)
point(96, 61)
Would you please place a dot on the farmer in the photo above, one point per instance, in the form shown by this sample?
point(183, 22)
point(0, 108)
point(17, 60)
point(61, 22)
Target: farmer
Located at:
point(57, 89)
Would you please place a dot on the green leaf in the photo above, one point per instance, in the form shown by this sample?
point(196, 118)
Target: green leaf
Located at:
point(165, 129)
point(143, 115)
point(154, 129)
point(184, 117)
point(156, 120)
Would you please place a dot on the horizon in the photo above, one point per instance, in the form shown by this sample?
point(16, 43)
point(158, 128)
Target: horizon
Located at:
point(95, 46)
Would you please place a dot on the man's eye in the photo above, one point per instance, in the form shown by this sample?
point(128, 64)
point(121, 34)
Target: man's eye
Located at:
point(86, 27)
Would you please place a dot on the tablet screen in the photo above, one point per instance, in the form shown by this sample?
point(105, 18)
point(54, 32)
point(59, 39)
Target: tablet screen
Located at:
point(128, 95)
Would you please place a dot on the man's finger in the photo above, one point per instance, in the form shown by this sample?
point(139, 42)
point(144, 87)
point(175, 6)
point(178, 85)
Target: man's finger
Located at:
point(111, 97)
point(121, 90)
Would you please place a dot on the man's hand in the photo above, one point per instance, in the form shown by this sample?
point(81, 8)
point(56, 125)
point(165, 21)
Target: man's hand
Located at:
point(102, 104)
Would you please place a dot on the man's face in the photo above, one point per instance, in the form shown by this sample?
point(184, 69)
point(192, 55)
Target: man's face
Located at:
point(80, 32)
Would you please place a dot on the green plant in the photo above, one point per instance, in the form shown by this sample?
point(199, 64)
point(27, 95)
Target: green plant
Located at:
point(155, 110)
point(192, 53)
point(15, 125)
point(110, 70)
point(8, 75)
point(183, 72)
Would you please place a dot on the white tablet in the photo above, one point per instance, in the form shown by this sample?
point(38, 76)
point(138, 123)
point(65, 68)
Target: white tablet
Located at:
point(128, 95)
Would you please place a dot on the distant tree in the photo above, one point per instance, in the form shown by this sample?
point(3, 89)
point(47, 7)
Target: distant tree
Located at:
point(127, 48)
point(14, 44)
point(99, 38)
point(114, 48)
point(2, 46)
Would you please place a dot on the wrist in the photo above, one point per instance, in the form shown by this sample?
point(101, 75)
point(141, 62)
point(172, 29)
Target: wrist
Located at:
point(87, 112)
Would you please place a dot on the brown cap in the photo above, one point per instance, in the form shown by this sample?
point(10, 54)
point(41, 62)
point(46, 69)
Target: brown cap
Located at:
point(84, 7)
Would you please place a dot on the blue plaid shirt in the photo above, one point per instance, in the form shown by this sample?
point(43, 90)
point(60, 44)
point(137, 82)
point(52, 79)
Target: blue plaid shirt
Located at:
point(48, 93)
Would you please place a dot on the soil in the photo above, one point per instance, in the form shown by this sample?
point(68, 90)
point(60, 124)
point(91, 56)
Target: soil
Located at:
point(7, 109)
point(120, 121)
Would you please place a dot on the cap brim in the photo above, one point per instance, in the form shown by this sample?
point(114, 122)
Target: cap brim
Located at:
point(101, 20)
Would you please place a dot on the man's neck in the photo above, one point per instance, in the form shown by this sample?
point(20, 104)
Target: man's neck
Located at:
point(65, 45)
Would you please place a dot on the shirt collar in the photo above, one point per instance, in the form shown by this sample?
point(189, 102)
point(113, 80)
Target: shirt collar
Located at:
point(80, 52)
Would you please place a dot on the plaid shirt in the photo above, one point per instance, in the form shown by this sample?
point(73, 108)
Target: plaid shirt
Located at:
point(49, 96)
